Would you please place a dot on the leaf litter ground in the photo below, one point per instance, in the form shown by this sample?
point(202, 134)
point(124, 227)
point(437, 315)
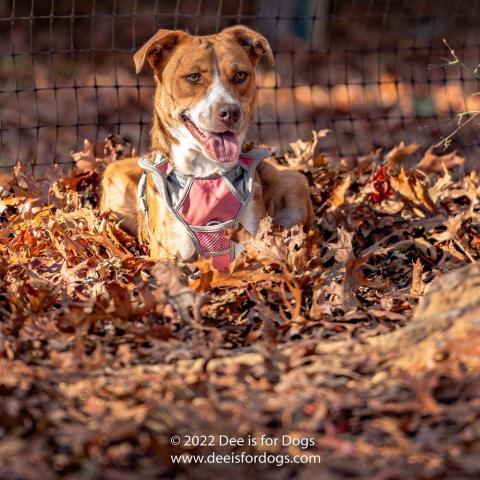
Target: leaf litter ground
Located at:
point(105, 354)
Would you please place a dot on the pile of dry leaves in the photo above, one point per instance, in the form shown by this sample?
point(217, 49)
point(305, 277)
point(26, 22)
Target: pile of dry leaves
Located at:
point(104, 354)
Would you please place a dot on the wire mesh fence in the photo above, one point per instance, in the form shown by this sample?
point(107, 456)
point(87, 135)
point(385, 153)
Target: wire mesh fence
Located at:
point(360, 68)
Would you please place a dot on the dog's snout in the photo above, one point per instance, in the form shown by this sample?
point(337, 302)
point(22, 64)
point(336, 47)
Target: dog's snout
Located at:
point(228, 113)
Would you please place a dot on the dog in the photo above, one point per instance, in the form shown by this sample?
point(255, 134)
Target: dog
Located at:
point(197, 182)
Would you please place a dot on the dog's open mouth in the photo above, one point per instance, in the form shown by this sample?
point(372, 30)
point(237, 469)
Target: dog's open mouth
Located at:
point(221, 146)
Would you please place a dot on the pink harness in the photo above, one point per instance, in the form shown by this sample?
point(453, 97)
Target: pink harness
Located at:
point(205, 206)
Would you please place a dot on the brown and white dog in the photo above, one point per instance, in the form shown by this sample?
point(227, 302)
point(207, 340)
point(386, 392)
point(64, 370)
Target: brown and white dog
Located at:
point(204, 101)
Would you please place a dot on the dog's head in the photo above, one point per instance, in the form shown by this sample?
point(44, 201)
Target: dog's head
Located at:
point(206, 88)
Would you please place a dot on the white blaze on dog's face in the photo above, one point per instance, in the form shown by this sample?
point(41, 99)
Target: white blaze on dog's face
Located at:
point(206, 92)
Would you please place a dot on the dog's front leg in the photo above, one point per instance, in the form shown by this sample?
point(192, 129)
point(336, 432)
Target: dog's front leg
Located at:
point(253, 213)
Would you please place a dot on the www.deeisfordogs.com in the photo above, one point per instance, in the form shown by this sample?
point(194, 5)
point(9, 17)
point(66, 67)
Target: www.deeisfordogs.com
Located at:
point(189, 441)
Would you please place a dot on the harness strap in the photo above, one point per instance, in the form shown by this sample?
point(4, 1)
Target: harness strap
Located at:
point(159, 165)
point(156, 170)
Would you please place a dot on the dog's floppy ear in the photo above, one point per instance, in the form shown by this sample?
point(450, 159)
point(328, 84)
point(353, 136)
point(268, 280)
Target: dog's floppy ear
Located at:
point(157, 49)
point(256, 45)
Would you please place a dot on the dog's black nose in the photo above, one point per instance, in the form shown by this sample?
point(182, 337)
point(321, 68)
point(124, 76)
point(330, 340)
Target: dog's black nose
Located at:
point(229, 113)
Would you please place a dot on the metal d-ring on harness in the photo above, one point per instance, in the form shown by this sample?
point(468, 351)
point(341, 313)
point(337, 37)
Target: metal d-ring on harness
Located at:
point(206, 206)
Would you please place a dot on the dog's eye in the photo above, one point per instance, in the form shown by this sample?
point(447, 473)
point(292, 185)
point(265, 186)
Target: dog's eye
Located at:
point(194, 78)
point(240, 77)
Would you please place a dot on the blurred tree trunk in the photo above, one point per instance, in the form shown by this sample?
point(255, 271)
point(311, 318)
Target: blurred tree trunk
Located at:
point(301, 19)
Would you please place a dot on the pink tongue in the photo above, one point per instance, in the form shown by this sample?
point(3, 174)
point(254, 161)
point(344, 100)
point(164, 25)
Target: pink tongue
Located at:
point(223, 146)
